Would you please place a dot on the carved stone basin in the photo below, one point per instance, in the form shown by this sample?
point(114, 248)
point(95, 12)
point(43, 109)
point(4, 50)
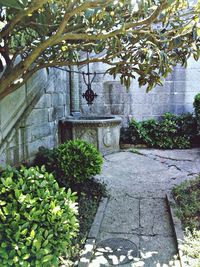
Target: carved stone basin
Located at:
point(95, 118)
point(102, 132)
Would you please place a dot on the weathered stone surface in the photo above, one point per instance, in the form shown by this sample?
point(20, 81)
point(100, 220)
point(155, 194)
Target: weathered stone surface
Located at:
point(99, 260)
point(94, 230)
point(137, 207)
point(58, 99)
point(103, 133)
point(11, 106)
point(47, 142)
point(158, 251)
point(37, 117)
point(37, 132)
point(33, 111)
point(44, 102)
point(176, 95)
point(121, 215)
point(36, 83)
point(154, 217)
point(59, 111)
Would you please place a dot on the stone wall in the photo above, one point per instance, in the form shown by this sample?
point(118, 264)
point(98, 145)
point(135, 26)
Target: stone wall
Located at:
point(176, 95)
point(29, 116)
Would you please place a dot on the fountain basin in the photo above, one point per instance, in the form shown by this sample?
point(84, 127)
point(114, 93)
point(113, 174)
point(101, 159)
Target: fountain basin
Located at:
point(102, 132)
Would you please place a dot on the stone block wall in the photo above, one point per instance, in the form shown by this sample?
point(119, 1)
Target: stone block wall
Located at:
point(29, 116)
point(176, 95)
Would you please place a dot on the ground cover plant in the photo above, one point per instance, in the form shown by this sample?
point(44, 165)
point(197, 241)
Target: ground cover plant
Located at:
point(187, 196)
point(74, 164)
point(197, 110)
point(171, 131)
point(38, 219)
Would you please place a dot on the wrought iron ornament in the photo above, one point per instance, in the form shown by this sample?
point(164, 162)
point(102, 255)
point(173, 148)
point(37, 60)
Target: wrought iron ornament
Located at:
point(89, 94)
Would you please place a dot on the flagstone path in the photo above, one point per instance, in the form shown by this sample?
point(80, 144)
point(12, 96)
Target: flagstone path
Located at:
point(137, 208)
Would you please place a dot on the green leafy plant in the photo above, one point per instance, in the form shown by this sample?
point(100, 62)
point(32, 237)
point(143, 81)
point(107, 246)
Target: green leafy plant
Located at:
point(48, 158)
point(196, 105)
point(79, 160)
point(142, 40)
point(89, 193)
point(37, 218)
point(170, 132)
point(191, 247)
point(148, 130)
point(187, 197)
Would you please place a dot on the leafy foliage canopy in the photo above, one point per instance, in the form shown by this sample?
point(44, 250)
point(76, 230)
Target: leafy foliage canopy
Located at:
point(140, 39)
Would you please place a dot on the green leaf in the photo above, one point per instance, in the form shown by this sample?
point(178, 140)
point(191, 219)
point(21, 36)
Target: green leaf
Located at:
point(47, 258)
point(46, 233)
point(26, 256)
point(37, 244)
point(24, 232)
point(198, 32)
point(11, 3)
point(32, 234)
point(2, 203)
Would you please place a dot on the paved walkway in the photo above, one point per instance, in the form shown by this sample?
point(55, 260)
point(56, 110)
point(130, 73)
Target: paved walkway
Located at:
point(137, 208)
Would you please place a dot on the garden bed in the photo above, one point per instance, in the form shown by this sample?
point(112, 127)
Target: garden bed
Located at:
point(187, 209)
point(89, 195)
point(73, 164)
point(169, 132)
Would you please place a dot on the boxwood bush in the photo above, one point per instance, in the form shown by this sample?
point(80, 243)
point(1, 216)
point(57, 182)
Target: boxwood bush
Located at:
point(37, 218)
point(79, 160)
point(71, 162)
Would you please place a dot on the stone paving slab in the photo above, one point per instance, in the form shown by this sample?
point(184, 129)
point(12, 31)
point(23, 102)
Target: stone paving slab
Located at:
point(100, 260)
point(136, 209)
point(174, 154)
point(187, 160)
point(121, 215)
point(154, 217)
point(135, 161)
point(158, 251)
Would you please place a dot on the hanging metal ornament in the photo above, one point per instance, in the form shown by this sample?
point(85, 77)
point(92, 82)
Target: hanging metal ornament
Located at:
point(89, 94)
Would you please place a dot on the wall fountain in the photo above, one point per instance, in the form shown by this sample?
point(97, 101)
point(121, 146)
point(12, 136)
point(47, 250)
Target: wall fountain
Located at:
point(101, 131)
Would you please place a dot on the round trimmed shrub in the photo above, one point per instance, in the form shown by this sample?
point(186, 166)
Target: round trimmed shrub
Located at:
point(37, 218)
point(79, 160)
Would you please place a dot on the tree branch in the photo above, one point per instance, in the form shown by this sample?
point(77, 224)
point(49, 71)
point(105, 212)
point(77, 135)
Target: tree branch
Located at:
point(145, 22)
point(23, 66)
point(29, 10)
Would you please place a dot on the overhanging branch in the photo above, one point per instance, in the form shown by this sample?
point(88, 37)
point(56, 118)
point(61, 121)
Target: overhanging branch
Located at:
point(29, 10)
